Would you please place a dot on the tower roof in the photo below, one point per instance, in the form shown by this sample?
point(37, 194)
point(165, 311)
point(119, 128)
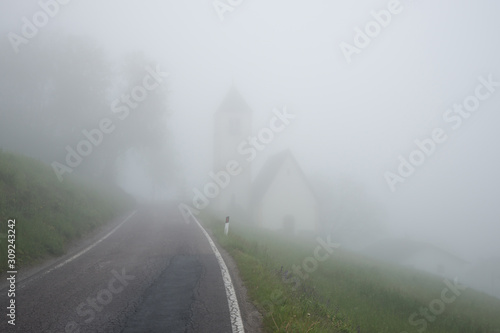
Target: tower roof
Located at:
point(234, 103)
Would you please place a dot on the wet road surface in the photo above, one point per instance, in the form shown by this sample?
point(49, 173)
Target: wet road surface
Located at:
point(154, 273)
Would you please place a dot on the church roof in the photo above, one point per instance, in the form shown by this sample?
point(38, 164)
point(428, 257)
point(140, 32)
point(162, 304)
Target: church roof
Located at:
point(234, 103)
point(269, 171)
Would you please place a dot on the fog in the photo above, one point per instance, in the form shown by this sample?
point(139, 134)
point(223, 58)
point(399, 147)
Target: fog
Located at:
point(358, 109)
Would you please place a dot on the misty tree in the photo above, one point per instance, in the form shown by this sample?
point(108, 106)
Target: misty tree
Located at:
point(143, 123)
point(54, 88)
point(24, 97)
point(64, 85)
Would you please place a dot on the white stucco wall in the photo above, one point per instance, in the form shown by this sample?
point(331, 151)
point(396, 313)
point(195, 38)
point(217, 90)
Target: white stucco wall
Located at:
point(288, 195)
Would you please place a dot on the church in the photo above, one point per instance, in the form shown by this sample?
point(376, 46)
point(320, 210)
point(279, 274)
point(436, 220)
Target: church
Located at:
point(279, 197)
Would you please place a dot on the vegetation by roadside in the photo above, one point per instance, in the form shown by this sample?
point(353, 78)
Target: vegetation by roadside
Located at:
point(346, 292)
point(49, 214)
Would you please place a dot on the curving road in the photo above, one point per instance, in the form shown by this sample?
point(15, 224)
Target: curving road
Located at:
point(147, 272)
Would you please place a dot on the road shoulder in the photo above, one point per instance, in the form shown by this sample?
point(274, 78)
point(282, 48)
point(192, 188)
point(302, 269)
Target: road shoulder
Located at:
point(252, 318)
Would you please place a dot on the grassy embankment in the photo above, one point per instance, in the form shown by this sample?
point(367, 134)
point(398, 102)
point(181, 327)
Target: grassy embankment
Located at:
point(347, 292)
point(49, 214)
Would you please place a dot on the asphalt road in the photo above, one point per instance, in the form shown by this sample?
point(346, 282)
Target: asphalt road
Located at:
point(154, 273)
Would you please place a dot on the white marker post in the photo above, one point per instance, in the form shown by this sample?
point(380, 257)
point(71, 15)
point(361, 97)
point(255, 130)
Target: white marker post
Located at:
point(226, 226)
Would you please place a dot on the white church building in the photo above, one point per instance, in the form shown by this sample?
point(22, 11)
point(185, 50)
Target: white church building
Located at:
point(279, 197)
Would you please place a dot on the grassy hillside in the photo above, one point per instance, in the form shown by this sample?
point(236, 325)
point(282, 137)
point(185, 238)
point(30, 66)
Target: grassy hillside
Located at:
point(49, 214)
point(346, 292)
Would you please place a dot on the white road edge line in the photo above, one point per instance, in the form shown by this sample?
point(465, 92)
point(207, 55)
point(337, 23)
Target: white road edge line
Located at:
point(90, 246)
point(232, 301)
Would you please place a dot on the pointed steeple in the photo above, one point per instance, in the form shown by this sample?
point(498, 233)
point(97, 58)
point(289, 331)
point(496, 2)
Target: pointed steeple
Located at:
point(234, 102)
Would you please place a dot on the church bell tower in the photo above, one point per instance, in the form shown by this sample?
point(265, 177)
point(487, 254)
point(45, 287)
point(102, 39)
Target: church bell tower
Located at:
point(232, 126)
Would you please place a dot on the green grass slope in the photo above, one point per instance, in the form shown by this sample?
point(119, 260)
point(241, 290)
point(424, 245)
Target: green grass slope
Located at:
point(346, 292)
point(49, 214)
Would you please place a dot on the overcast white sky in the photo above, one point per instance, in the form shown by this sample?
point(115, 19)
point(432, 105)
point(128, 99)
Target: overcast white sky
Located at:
point(352, 119)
